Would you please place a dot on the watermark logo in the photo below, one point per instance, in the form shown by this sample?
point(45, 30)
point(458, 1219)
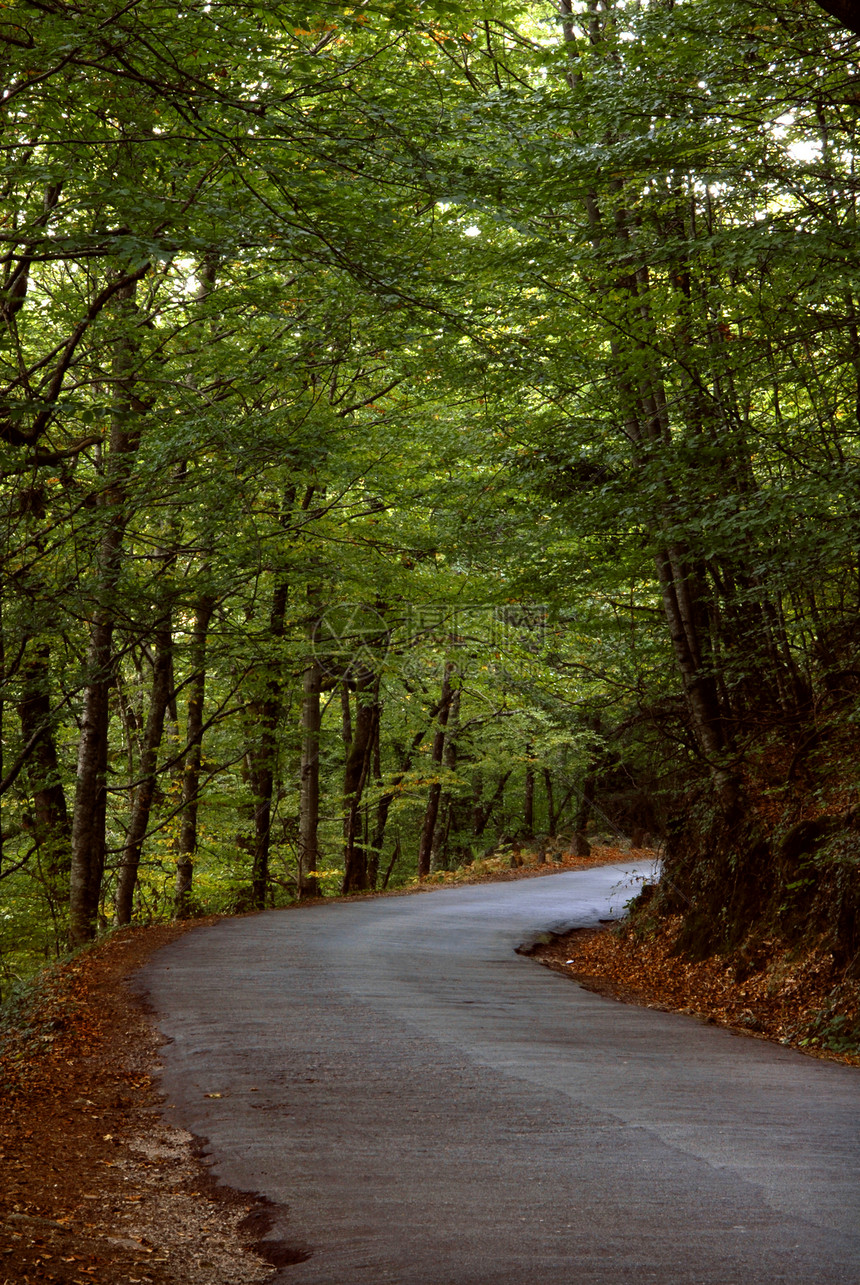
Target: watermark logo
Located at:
point(477, 625)
point(351, 638)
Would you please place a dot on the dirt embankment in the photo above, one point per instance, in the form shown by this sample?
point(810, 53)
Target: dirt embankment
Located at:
point(791, 997)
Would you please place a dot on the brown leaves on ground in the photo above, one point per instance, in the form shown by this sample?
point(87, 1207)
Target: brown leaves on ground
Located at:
point(774, 994)
point(93, 1185)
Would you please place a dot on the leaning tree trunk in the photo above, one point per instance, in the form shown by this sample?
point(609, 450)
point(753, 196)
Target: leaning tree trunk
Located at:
point(386, 799)
point(626, 289)
point(481, 812)
point(145, 789)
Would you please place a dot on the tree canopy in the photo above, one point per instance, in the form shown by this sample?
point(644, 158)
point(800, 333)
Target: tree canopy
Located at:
point(426, 431)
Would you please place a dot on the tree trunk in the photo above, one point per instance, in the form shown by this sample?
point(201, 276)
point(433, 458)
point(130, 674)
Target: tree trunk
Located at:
point(550, 809)
point(529, 800)
point(263, 758)
point(141, 807)
point(582, 848)
point(586, 800)
point(51, 829)
point(309, 789)
point(699, 685)
point(483, 811)
point(558, 812)
point(648, 430)
point(442, 829)
point(88, 822)
point(395, 857)
point(345, 716)
point(187, 844)
point(2, 709)
point(384, 805)
point(425, 844)
point(356, 771)
point(88, 826)
point(373, 850)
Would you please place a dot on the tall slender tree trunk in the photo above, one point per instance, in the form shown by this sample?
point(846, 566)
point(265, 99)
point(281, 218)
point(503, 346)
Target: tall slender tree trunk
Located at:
point(557, 810)
point(264, 759)
point(345, 716)
point(148, 771)
point(187, 842)
point(425, 843)
point(699, 683)
point(586, 802)
point(356, 772)
point(309, 788)
point(88, 823)
point(395, 857)
point(648, 429)
point(550, 808)
point(88, 827)
point(442, 829)
point(529, 797)
point(582, 848)
point(2, 708)
point(374, 850)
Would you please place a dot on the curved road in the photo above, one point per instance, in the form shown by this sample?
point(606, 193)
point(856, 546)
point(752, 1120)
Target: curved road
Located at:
point(424, 1106)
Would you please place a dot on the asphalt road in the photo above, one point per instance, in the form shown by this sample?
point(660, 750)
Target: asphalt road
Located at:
point(425, 1106)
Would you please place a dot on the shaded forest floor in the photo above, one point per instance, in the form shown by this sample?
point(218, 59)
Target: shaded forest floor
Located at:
point(95, 1186)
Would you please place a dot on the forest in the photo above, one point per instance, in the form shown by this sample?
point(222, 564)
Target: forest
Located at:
point(427, 430)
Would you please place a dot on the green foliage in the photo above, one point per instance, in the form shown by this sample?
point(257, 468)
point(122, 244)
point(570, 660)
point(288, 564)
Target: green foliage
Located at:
point(532, 341)
point(833, 1032)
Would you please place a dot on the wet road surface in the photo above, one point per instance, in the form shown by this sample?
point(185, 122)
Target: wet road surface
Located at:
point(424, 1106)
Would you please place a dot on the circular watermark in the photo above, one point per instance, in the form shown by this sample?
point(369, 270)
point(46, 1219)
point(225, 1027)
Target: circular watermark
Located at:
point(350, 638)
